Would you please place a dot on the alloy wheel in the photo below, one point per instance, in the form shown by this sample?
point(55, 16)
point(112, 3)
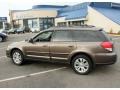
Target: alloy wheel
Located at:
point(17, 58)
point(81, 65)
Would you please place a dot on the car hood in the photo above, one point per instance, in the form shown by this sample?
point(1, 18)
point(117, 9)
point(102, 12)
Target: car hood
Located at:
point(17, 44)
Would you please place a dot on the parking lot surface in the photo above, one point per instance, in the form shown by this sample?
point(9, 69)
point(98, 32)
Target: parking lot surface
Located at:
point(36, 74)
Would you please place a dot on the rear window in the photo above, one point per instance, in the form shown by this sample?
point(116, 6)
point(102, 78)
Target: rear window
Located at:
point(89, 36)
point(106, 35)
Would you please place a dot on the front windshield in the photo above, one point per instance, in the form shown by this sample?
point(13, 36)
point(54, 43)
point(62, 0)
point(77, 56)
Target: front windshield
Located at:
point(34, 36)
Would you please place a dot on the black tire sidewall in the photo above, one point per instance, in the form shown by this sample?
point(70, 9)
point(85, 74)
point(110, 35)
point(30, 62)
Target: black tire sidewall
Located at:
point(89, 62)
point(22, 58)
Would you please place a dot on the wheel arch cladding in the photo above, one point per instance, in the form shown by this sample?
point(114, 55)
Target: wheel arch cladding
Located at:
point(15, 49)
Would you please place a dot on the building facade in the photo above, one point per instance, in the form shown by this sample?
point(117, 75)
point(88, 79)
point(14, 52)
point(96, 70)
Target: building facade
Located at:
point(3, 21)
point(40, 17)
point(101, 14)
point(72, 15)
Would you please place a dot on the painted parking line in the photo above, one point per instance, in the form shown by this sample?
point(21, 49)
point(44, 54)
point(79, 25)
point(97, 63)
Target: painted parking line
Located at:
point(33, 74)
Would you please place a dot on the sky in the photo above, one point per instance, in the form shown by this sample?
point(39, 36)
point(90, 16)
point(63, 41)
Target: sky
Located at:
point(6, 5)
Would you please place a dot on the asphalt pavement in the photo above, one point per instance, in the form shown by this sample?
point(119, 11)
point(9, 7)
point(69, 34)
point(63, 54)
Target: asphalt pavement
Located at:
point(37, 74)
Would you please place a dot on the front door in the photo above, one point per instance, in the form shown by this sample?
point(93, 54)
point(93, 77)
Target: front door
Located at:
point(40, 46)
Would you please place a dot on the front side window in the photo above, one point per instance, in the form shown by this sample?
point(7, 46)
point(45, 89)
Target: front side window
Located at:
point(60, 36)
point(43, 37)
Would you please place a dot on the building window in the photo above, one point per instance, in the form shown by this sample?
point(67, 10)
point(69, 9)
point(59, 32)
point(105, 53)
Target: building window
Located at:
point(33, 23)
point(77, 23)
point(30, 23)
point(61, 24)
point(46, 23)
point(81, 22)
point(1, 25)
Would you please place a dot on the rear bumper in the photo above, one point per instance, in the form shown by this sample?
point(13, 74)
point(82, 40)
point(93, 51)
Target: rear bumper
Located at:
point(106, 58)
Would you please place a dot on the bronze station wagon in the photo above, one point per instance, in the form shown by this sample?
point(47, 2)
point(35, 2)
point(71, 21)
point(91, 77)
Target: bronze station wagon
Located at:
point(81, 47)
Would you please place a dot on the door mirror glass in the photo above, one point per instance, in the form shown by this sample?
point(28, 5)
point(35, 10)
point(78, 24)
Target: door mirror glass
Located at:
point(31, 40)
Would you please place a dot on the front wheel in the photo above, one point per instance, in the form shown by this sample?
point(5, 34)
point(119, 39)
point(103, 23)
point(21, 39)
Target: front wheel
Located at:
point(81, 64)
point(17, 57)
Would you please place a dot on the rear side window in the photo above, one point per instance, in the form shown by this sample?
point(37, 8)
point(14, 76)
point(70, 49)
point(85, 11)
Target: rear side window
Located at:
point(89, 36)
point(60, 36)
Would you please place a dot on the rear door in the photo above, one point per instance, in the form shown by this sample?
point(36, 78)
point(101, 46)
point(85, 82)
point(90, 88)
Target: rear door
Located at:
point(61, 45)
point(90, 40)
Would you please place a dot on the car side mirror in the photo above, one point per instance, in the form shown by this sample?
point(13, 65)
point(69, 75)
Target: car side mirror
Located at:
point(31, 40)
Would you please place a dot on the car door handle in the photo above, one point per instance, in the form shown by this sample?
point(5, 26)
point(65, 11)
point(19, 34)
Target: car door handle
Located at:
point(44, 46)
point(70, 46)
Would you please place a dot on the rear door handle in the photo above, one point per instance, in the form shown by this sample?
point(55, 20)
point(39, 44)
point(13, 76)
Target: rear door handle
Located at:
point(70, 46)
point(44, 46)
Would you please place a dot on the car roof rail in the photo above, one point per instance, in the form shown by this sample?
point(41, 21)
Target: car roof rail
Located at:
point(82, 25)
point(89, 26)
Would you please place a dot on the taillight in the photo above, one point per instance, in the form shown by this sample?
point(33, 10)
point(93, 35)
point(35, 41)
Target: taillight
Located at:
point(107, 45)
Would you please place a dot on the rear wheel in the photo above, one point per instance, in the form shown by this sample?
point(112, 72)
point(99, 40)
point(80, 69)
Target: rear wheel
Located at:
point(81, 64)
point(17, 57)
point(1, 39)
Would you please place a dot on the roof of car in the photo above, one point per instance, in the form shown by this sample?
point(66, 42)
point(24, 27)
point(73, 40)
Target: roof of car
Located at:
point(75, 28)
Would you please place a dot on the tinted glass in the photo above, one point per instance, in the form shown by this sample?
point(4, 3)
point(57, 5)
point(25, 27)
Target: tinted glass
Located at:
point(89, 36)
point(62, 36)
point(45, 36)
point(106, 35)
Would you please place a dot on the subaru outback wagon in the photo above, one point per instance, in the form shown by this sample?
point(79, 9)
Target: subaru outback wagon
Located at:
point(81, 47)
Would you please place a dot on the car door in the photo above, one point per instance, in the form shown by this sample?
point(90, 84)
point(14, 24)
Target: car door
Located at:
point(40, 46)
point(61, 45)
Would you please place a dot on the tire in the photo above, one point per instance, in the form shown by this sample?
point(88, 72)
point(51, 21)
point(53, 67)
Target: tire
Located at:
point(81, 64)
point(1, 39)
point(17, 57)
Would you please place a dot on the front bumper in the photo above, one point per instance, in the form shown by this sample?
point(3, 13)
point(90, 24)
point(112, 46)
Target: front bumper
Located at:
point(106, 58)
